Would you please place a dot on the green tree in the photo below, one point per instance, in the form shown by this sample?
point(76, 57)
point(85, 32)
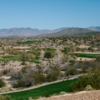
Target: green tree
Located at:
point(48, 55)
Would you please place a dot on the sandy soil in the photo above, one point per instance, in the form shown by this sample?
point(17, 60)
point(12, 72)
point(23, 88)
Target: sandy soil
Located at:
point(6, 77)
point(20, 47)
point(16, 65)
point(83, 46)
point(86, 47)
point(85, 95)
point(8, 86)
point(84, 59)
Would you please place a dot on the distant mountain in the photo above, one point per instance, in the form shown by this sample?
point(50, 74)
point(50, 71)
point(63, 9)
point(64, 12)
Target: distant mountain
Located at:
point(94, 28)
point(28, 32)
point(25, 32)
point(72, 32)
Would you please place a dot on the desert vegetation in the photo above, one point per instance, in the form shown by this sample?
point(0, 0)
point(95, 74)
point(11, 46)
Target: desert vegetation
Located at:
point(27, 62)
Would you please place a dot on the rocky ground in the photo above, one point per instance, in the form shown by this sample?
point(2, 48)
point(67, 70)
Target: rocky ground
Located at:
point(85, 95)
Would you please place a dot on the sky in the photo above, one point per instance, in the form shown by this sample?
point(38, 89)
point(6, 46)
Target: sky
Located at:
point(49, 14)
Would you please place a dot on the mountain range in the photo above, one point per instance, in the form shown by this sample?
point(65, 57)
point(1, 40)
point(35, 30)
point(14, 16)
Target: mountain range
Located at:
point(97, 28)
point(28, 32)
point(25, 31)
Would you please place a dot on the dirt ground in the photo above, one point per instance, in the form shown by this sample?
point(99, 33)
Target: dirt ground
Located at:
point(85, 95)
point(84, 59)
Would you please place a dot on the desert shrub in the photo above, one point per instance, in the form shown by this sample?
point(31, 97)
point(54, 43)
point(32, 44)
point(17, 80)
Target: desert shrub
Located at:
point(53, 74)
point(2, 83)
point(98, 58)
point(47, 55)
point(92, 78)
point(88, 88)
point(27, 82)
point(16, 76)
point(6, 97)
point(71, 71)
point(23, 63)
point(5, 71)
point(46, 95)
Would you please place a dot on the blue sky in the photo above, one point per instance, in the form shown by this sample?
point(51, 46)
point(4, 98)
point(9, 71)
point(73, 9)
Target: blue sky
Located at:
point(49, 14)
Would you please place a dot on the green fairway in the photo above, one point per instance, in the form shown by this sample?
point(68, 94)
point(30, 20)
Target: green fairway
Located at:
point(16, 58)
point(44, 90)
point(87, 55)
point(9, 58)
point(29, 42)
point(35, 61)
